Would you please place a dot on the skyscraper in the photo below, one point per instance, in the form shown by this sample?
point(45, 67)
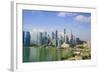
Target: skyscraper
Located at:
point(61, 39)
point(45, 40)
point(45, 34)
point(71, 38)
point(53, 35)
point(67, 39)
point(64, 35)
point(26, 38)
point(77, 41)
point(41, 38)
point(56, 37)
point(49, 40)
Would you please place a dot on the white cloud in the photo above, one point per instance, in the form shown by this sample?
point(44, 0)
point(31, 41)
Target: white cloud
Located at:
point(71, 14)
point(37, 30)
point(63, 14)
point(83, 19)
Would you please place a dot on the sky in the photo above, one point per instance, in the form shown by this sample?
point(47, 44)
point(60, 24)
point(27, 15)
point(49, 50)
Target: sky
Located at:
point(50, 21)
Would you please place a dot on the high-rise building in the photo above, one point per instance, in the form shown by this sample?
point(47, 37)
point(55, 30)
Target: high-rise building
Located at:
point(45, 40)
point(49, 40)
point(26, 38)
point(56, 37)
point(74, 40)
point(71, 38)
point(59, 43)
point(61, 39)
point(78, 41)
point(67, 39)
point(41, 38)
point(53, 35)
point(45, 34)
point(64, 35)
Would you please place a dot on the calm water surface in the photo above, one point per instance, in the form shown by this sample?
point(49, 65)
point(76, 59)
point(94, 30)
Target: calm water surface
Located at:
point(31, 54)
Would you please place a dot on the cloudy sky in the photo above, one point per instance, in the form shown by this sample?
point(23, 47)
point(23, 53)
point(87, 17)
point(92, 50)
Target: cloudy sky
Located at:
point(79, 23)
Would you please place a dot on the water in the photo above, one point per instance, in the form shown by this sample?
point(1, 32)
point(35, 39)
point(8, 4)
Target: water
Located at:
point(31, 54)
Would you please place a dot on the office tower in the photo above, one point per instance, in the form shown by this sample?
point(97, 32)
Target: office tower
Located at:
point(45, 38)
point(53, 35)
point(77, 41)
point(49, 40)
point(71, 38)
point(53, 39)
point(74, 40)
point(56, 37)
point(67, 39)
point(64, 35)
point(59, 44)
point(37, 40)
point(41, 38)
point(26, 38)
point(45, 34)
point(61, 39)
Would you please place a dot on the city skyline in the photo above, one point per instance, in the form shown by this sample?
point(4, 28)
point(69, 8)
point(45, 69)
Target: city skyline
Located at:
point(50, 21)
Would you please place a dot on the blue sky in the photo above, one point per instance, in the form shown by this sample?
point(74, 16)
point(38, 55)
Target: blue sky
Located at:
point(79, 23)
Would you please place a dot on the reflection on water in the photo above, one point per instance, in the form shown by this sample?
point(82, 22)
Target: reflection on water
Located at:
point(37, 54)
point(26, 54)
point(31, 54)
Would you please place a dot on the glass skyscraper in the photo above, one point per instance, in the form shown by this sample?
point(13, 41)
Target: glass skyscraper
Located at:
point(26, 38)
